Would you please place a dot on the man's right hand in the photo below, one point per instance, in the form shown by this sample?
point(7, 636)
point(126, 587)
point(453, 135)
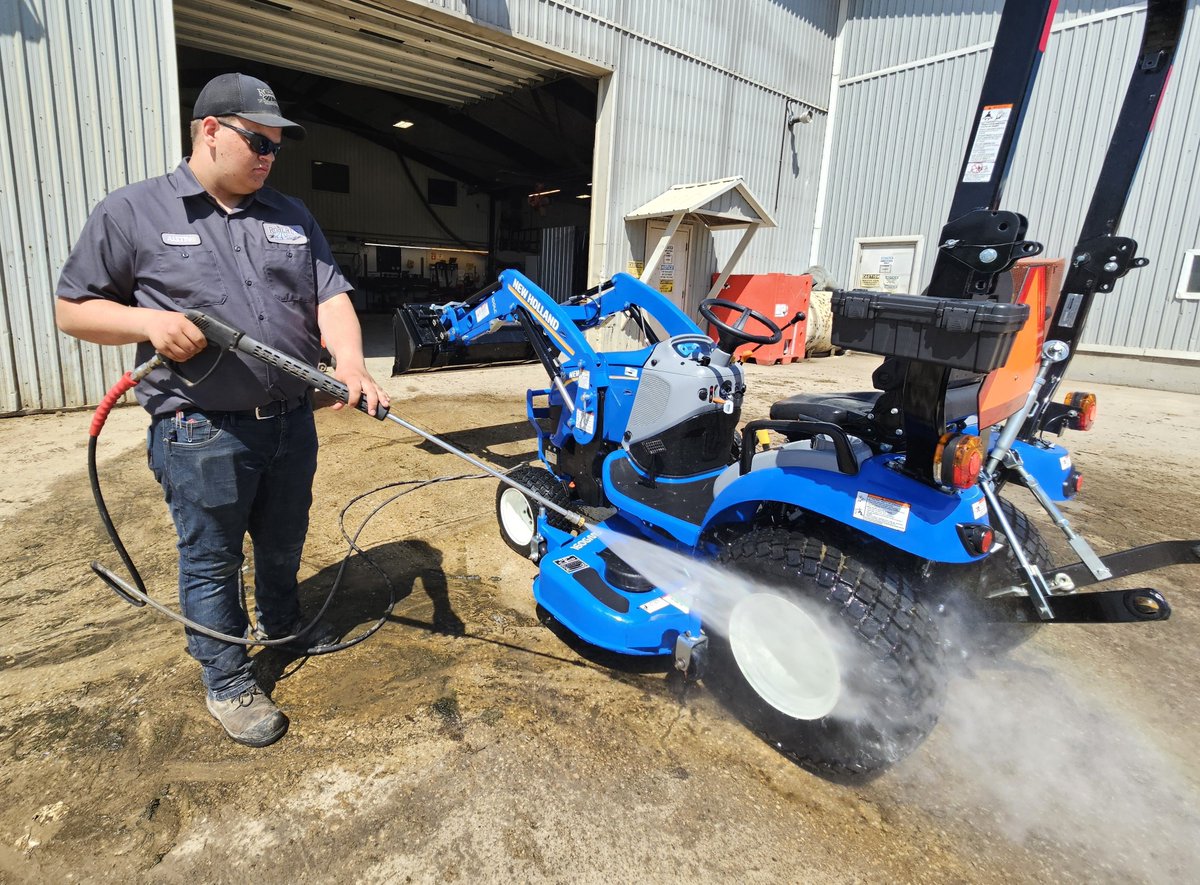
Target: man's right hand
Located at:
point(174, 335)
point(105, 322)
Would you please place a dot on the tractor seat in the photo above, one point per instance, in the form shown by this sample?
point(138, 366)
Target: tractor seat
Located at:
point(836, 408)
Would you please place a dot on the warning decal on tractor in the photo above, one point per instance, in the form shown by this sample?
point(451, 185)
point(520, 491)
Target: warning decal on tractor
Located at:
point(881, 511)
point(989, 135)
point(571, 564)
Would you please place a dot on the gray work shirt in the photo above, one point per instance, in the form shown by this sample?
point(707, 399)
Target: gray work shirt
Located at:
point(263, 268)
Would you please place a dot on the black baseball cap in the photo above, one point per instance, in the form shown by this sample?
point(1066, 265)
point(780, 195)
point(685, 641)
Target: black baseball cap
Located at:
point(243, 96)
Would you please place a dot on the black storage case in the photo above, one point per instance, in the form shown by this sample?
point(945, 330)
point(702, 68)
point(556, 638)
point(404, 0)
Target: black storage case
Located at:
point(972, 335)
point(421, 343)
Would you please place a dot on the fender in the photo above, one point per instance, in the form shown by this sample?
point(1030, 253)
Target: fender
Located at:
point(1050, 465)
point(879, 502)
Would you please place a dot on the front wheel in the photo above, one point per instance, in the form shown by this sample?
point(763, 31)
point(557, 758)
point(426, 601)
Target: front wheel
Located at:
point(516, 511)
point(830, 660)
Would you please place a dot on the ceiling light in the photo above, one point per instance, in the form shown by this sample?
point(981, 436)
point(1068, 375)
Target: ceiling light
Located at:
point(403, 124)
point(583, 196)
point(557, 190)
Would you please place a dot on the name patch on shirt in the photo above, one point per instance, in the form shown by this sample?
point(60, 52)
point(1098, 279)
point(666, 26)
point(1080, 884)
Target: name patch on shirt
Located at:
point(181, 239)
point(291, 234)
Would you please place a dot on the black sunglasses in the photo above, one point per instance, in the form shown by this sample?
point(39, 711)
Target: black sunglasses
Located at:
point(260, 144)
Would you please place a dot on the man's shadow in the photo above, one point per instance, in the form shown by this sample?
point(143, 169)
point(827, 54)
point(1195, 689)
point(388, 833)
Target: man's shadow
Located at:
point(371, 584)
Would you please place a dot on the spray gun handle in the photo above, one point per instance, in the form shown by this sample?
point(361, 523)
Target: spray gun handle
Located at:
point(229, 338)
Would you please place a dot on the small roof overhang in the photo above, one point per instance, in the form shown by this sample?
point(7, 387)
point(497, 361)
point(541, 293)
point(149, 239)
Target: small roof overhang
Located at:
point(726, 202)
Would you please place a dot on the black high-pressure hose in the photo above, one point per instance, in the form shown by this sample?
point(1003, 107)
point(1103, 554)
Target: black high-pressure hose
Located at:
point(139, 596)
point(228, 338)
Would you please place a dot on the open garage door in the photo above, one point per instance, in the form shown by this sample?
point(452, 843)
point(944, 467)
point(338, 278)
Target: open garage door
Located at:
point(439, 151)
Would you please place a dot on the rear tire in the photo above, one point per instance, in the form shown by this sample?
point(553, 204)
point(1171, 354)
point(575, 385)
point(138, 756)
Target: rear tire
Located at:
point(830, 660)
point(516, 512)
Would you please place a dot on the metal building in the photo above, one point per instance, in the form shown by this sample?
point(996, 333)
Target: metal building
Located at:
point(845, 120)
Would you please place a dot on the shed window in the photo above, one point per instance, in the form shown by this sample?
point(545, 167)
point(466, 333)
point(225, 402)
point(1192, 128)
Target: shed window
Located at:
point(328, 176)
point(1189, 278)
point(443, 192)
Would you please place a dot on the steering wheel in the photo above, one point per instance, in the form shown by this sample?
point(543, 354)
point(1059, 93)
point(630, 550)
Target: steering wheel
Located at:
point(730, 336)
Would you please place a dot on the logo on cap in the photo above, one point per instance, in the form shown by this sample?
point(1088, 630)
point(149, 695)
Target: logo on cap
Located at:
point(266, 95)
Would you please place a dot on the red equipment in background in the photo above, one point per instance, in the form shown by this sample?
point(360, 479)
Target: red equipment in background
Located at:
point(775, 295)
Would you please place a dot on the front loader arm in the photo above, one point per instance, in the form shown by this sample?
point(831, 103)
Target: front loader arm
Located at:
point(578, 374)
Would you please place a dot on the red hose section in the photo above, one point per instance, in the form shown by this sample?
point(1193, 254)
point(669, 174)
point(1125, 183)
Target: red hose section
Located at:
point(117, 391)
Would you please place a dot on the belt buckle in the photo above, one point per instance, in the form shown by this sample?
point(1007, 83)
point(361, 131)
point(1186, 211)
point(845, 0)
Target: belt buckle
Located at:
point(274, 405)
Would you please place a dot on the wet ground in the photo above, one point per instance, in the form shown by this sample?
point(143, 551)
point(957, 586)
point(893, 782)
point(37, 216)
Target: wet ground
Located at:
point(467, 742)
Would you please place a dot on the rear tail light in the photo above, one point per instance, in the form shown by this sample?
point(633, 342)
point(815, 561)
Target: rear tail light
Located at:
point(1072, 484)
point(958, 460)
point(1083, 410)
point(976, 537)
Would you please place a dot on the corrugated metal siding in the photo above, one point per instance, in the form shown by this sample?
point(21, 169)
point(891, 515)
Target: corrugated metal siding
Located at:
point(883, 33)
point(770, 42)
point(87, 92)
point(899, 180)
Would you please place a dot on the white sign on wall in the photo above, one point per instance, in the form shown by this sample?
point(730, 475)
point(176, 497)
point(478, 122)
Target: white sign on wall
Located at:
point(887, 264)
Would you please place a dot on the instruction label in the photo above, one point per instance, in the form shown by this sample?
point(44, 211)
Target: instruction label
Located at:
point(979, 509)
point(881, 511)
point(989, 134)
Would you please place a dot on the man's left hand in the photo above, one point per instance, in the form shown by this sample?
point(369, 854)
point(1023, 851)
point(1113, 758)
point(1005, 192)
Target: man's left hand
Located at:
point(360, 384)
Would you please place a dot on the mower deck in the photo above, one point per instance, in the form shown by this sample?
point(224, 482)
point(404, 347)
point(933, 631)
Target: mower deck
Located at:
point(599, 598)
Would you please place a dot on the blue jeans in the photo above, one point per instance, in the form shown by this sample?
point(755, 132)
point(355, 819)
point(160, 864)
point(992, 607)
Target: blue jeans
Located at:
point(224, 475)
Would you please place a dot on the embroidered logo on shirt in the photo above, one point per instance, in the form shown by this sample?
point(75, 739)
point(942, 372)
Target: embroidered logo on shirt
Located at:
point(291, 234)
point(181, 239)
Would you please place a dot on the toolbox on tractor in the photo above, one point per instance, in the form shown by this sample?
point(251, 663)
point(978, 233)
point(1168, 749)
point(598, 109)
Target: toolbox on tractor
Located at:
point(971, 335)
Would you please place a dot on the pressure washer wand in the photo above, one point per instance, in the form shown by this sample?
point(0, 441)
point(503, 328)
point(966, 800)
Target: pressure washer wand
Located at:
point(229, 338)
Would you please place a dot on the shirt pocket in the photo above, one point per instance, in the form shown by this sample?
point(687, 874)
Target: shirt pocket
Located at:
point(288, 271)
point(190, 276)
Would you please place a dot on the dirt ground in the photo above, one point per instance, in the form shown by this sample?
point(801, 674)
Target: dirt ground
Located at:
point(466, 742)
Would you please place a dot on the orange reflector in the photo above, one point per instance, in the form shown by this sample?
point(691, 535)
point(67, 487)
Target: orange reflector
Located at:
point(1084, 406)
point(958, 460)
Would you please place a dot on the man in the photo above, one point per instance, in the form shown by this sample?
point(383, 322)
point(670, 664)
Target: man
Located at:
point(232, 440)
